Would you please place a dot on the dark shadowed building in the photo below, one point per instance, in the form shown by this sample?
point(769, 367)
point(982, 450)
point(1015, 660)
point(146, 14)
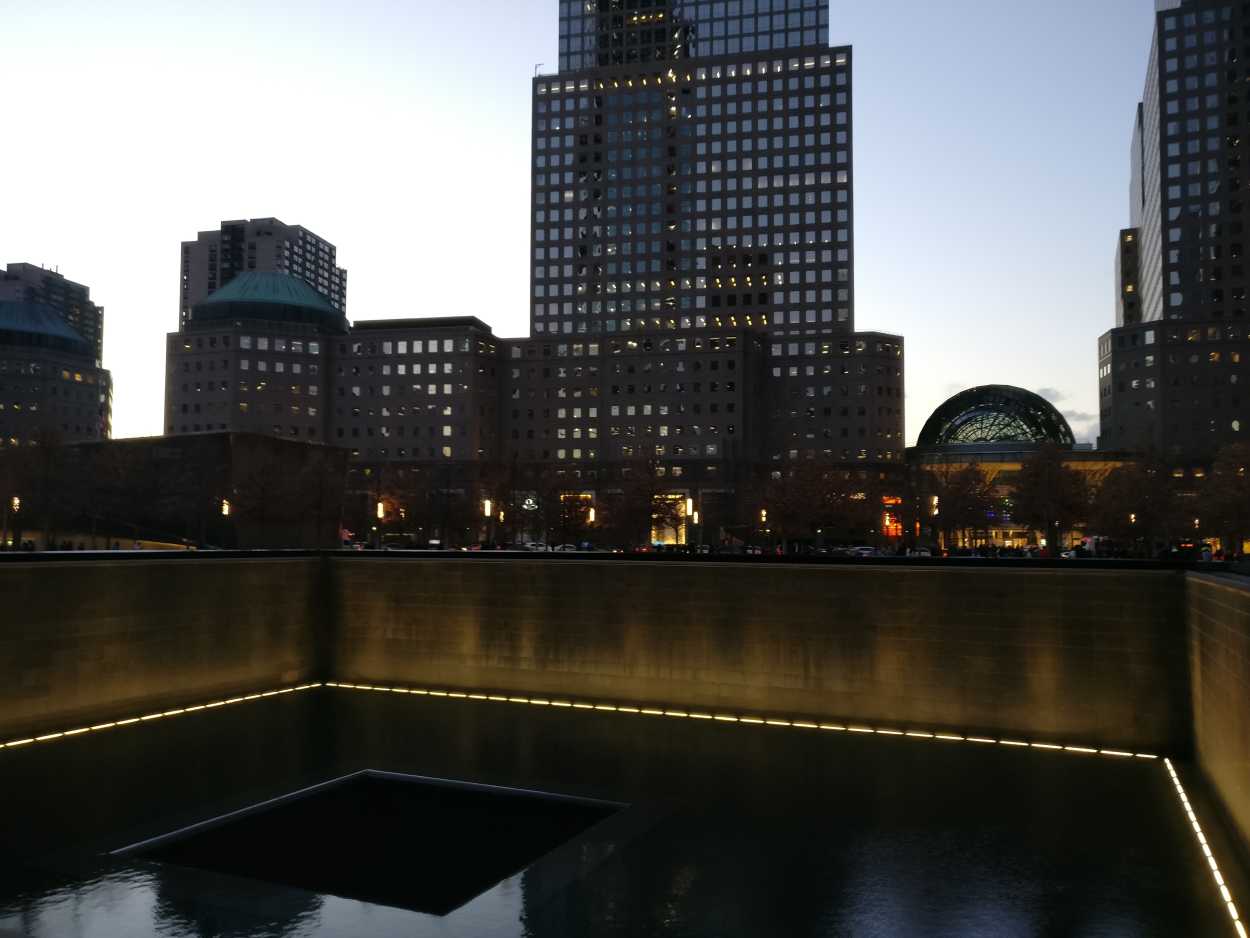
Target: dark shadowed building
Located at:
point(1172, 372)
point(51, 384)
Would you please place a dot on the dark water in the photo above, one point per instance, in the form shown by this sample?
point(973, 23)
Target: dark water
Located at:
point(729, 831)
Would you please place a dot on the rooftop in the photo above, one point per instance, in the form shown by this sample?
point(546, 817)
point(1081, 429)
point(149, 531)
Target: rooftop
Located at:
point(33, 323)
point(272, 296)
point(431, 322)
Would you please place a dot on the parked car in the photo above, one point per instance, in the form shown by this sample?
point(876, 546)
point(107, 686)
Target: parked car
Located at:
point(566, 547)
point(919, 552)
point(865, 551)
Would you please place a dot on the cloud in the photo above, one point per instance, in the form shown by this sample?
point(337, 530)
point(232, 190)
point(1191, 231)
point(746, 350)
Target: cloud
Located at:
point(1079, 416)
point(1054, 395)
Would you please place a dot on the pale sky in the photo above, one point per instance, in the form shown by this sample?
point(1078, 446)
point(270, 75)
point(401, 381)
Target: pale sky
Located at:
point(991, 155)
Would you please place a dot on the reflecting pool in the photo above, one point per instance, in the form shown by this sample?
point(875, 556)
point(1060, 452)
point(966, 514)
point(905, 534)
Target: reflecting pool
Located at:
point(724, 830)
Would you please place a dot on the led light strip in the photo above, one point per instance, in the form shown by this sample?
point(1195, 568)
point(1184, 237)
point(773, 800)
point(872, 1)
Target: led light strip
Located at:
point(178, 711)
point(1206, 850)
point(746, 719)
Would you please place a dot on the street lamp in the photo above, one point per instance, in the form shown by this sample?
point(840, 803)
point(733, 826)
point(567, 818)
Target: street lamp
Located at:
point(486, 508)
point(225, 508)
point(763, 516)
point(591, 516)
point(13, 505)
point(381, 511)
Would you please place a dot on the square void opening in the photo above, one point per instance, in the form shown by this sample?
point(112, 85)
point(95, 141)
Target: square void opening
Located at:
point(420, 844)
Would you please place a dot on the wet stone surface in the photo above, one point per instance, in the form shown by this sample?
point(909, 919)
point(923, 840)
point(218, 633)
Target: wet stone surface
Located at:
point(727, 830)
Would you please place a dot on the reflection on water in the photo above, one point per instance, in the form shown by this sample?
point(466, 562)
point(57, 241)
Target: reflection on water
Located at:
point(732, 832)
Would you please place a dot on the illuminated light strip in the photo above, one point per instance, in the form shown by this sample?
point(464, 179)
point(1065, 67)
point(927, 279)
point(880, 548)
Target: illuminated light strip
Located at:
point(1201, 837)
point(149, 717)
point(579, 705)
point(750, 720)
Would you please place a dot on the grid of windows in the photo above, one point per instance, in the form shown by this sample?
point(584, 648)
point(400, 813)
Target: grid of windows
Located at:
point(71, 397)
point(1189, 258)
point(597, 33)
point(717, 198)
point(416, 394)
point(1200, 169)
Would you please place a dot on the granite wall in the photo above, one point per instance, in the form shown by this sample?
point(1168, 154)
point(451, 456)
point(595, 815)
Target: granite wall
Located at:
point(1095, 657)
point(87, 641)
point(1219, 638)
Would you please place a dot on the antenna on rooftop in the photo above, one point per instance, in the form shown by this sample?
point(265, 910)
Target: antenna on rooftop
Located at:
point(537, 67)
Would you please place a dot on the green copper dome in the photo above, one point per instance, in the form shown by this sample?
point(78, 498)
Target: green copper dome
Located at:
point(996, 414)
point(38, 326)
point(273, 297)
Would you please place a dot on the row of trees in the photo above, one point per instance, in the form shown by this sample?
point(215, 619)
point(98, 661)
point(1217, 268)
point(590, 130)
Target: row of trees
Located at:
point(444, 504)
point(276, 493)
point(280, 495)
point(1140, 506)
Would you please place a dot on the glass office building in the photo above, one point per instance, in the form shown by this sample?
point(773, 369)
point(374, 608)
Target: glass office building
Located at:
point(597, 33)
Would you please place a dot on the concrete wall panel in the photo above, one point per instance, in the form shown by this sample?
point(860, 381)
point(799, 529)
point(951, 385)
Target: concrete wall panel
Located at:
point(1219, 629)
point(1096, 657)
point(89, 640)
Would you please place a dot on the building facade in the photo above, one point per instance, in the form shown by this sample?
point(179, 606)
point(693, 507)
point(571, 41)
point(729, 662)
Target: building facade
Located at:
point(51, 385)
point(29, 283)
point(1172, 371)
point(996, 429)
point(262, 245)
point(693, 174)
point(692, 304)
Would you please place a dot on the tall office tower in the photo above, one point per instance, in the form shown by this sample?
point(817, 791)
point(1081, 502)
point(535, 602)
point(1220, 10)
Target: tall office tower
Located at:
point(28, 283)
point(263, 245)
point(693, 175)
point(1172, 372)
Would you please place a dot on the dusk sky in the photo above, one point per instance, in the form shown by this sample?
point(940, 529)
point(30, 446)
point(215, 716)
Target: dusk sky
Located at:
point(991, 156)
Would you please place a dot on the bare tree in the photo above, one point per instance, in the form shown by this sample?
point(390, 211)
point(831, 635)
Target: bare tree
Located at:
point(1050, 496)
point(1225, 499)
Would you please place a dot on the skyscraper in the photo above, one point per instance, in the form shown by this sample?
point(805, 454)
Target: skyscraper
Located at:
point(693, 175)
point(1172, 372)
point(263, 245)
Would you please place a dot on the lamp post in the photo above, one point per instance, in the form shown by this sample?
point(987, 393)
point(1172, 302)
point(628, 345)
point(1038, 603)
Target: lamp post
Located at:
point(12, 505)
point(381, 515)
